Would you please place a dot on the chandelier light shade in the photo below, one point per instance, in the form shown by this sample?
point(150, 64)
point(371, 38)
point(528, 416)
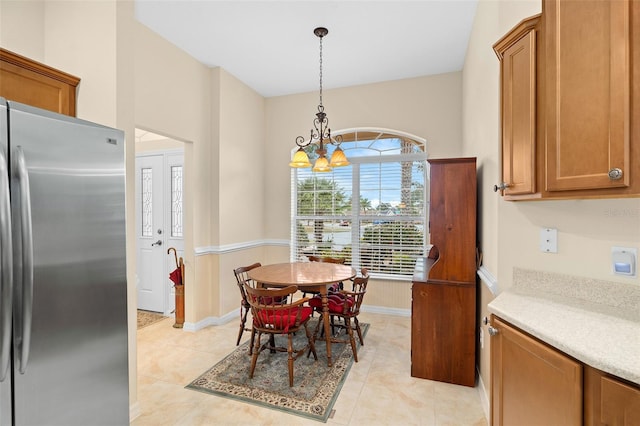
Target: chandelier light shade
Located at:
point(300, 159)
point(321, 165)
point(320, 134)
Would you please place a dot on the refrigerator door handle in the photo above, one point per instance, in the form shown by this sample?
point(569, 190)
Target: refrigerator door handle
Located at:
point(23, 337)
point(6, 269)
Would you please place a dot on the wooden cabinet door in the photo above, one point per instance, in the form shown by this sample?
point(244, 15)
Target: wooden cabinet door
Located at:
point(609, 401)
point(517, 54)
point(532, 383)
point(620, 403)
point(29, 82)
point(443, 332)
point(452, 218)
point(587, 93)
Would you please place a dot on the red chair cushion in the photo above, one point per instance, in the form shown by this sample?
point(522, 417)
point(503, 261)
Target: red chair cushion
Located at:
point(283, 319)
point(335, 302)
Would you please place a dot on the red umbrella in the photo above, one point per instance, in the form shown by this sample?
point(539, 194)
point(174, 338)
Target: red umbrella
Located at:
point(176, 276)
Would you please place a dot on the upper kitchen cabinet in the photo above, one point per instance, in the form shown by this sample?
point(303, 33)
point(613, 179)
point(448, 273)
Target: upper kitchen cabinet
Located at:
point(29, 82)
point(517, 54)
point(570, 89)
point(587, 86)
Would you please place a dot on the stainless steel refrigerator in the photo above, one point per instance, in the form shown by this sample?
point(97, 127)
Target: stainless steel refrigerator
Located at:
point(63, 297)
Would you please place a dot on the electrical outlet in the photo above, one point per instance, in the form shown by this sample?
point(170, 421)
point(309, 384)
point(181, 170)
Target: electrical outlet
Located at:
point(549, 240)
point(481, 338)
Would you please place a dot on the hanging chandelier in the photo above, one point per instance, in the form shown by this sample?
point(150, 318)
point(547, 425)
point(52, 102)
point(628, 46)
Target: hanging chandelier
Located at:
point(321, 134)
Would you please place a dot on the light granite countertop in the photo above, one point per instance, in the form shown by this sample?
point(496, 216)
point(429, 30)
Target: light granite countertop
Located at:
point(596, 322)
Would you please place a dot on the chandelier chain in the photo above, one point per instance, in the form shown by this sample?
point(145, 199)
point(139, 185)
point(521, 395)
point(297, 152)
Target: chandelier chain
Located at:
point(321, 70)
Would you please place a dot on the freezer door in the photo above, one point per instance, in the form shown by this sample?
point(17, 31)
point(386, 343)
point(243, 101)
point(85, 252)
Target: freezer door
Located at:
point(6, 276)
point(70, 331)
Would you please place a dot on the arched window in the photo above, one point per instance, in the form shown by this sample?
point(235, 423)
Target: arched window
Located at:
point(372, 212)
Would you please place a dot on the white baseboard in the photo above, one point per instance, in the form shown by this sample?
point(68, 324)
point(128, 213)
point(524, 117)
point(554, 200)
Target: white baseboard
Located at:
point(484, 398)
point(134, 411)
point(386, 311)
point(191, 326)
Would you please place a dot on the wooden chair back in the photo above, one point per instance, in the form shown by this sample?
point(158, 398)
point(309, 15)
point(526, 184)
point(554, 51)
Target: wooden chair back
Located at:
point(345, 305)
point(356, 294)
point(242, 278)
point(327, 259)
point(285, 316)
point(274, 311)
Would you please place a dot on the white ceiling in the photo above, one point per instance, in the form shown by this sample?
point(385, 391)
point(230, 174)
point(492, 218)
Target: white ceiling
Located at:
point(270, 45)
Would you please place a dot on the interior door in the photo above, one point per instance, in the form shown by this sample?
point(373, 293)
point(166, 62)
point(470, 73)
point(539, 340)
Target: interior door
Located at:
point(159, 226)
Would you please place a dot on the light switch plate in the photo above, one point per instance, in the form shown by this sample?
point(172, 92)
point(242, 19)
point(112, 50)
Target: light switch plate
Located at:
point(549, 240)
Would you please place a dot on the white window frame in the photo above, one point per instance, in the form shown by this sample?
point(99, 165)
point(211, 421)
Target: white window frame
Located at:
point(356, 216)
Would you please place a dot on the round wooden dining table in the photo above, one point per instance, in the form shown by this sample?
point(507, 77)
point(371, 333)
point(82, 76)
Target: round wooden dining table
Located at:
point(308, 276)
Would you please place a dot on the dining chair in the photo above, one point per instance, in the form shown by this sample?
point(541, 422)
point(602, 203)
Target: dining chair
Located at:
point(345, 305)
point(242, 278)
point(284, 318)
point(327, 259)
point(338, 260)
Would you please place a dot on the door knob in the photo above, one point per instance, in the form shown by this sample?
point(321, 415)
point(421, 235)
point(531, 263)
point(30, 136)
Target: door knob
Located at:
point(157, 243)
point(615, 174)
point(493, 331)
point(501, 187)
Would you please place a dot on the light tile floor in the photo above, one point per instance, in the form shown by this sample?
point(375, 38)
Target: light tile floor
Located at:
point(378, 391)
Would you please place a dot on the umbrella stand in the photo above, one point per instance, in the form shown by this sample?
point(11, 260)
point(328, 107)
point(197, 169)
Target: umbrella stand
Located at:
point(177, 276)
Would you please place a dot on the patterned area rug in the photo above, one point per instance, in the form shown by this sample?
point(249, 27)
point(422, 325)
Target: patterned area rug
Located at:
point(315, 385)
point(146, 318)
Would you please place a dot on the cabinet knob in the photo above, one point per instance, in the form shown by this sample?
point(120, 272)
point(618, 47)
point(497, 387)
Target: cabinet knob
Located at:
point(615, 174)
point(492, 331)
point(502, 186)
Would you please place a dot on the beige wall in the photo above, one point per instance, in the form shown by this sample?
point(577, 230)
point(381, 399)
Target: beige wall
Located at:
point(80, 38)
point(428, 107)
point(509, 231)
point(241, 166)
point(222, 121)
point(481, 122)
point(158, 145)
point(240, 173)
point(24, 36)
point(173, 97)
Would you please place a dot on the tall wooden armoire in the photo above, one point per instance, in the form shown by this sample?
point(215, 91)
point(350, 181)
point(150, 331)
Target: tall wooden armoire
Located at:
point(443, 317)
